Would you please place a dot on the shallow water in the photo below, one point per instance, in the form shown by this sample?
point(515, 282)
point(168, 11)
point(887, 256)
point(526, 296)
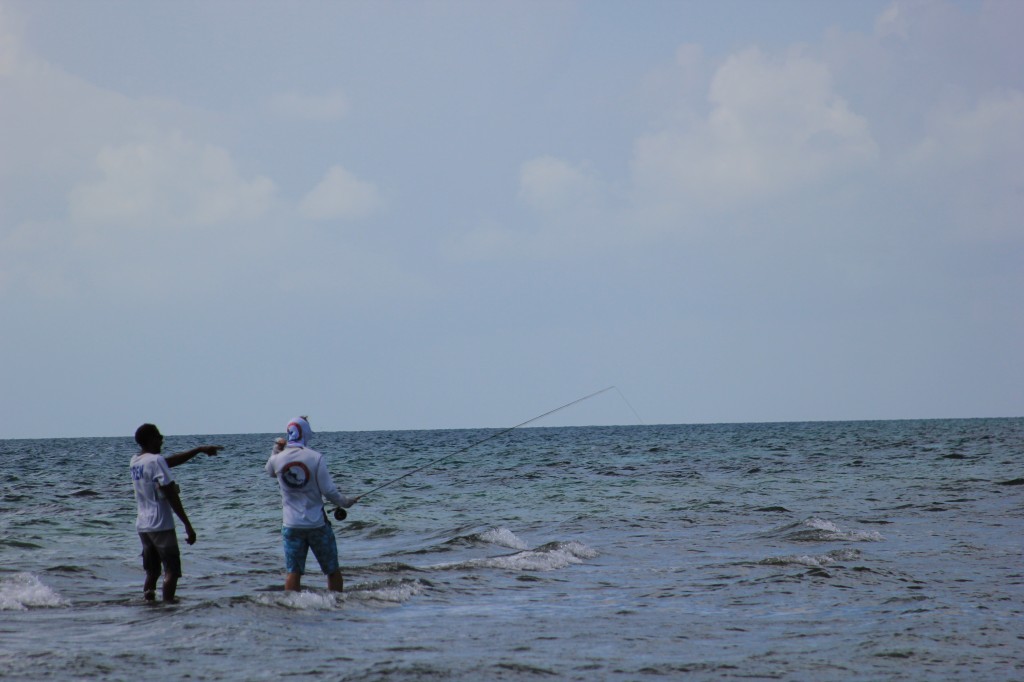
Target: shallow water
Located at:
point(824, 551)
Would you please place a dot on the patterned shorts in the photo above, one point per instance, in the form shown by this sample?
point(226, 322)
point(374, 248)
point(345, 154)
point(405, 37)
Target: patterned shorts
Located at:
point(298, 542)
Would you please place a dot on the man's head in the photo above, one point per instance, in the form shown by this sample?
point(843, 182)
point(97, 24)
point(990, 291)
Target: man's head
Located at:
point(299, 432)
point(149, 438)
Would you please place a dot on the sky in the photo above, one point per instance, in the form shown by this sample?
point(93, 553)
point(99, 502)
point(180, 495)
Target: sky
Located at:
point(217, 215)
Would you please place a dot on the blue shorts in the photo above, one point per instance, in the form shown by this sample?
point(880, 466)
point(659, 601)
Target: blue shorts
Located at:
point(298, 542)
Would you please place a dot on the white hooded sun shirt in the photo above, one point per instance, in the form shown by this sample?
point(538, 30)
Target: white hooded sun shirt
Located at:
point(304, 480)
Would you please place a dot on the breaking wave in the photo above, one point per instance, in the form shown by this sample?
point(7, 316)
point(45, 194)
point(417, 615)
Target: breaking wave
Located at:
point(814, 529)
point(549, 557)
point(502, 537)
point(818, 561)
point(21, 591)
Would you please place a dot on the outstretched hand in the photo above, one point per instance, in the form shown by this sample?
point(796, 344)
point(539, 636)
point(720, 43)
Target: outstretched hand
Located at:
point(182, 457)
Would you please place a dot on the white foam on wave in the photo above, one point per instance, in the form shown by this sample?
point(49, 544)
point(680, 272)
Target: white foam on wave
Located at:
point(388, 591)
point(813, 561)
point(21, 591)
point(822, 524)
point(301, 601)
point(550, 557)
point(814, 529)
point(391, 592)
point(503, 537)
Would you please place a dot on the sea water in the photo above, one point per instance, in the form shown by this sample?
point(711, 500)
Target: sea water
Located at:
point(804, 551)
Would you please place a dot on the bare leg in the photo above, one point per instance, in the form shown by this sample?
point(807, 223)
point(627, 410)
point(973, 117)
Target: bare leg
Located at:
point(335, 583)
point(293, 582)
point(170, 586)
point(149, 587)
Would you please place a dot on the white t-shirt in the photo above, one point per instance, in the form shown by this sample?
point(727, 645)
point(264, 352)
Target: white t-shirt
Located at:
point(149, 473)
point(304, 481)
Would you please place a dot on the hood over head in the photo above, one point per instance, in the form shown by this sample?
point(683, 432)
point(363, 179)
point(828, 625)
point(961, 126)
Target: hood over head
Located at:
point(299, 432)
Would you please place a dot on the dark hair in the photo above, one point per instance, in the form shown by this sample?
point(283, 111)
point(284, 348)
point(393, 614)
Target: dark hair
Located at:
point(146, 434)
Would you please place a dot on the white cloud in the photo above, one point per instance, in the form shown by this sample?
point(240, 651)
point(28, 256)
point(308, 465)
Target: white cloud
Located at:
point(566, 202)
point(990, 132)
point(34, 260)
point(54, 122)
point(9, 42)
point(776, 125)
point(93, 178)
point(328, 107)
point(101, 188)
point(341, 196)
point(551, 184)
point(905, 20)
point(891, 22)
point(168, 180)
point(488, 241)
point(972, 161)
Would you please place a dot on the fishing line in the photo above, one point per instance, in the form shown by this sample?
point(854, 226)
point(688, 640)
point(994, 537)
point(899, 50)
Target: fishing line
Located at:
point(635, 413)
point(340, 513)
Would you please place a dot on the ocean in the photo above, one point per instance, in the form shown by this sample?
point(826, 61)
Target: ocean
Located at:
point(885, 550)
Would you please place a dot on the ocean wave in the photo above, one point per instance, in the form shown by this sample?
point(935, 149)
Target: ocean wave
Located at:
point(306, 600)
point(549, 557)
point(22, 591)
point(20, 544)
point(387, 591)
point(813, 561)
point(388, 567)
point(813, 529)
point(502, 537)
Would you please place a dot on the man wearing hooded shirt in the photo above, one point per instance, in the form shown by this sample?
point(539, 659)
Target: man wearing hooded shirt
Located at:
point(302, 475)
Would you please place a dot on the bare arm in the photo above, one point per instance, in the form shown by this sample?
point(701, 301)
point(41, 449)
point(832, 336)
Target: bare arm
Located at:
point(182, 457)
point(170, 491)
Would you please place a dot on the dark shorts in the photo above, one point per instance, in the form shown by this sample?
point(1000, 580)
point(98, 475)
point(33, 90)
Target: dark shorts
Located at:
point(160, 548)
point(298, 542)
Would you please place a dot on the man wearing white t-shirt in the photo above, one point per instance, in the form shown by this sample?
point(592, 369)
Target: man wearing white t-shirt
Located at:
point(157, 496)
point(302, 475)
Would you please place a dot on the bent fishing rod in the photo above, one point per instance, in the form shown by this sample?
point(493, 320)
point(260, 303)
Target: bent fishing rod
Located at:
point(340, 513)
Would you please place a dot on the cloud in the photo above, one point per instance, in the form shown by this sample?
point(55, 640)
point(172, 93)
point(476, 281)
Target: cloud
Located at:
point(987, 134)
point(776, 125)
point(972, 162)
point(565, 216)
point(94, 182)
point(328, 107)
point(168, 180)
point(892, 22)
point(905, 20)
point(341, 196)
point(152, 211)
point(549, 184)
point(34, 259)
point(103, 188)
point(9, 42)
point(487, 241)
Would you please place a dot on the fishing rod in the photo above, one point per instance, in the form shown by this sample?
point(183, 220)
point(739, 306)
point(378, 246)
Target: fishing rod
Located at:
point(340, 513)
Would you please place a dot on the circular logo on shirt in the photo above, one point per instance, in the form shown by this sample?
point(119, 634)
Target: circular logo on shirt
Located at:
point(294, 474)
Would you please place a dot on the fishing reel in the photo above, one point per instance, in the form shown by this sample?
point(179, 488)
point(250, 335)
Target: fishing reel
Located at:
point(340, 514)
